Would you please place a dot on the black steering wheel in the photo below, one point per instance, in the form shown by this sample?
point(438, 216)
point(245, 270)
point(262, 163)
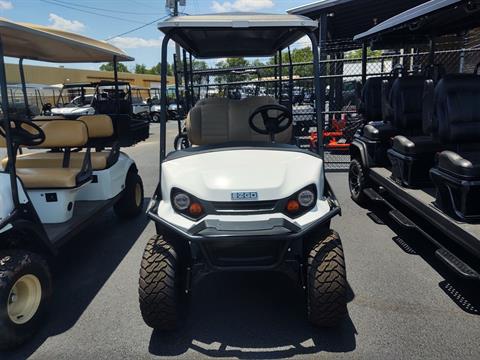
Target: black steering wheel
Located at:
point(24, 132)
point(273, 124)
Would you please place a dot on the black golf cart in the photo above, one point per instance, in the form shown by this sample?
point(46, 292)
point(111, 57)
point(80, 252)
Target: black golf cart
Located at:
point(419, 152)
point(47, 196)
point(112, 98)
point(242, 197)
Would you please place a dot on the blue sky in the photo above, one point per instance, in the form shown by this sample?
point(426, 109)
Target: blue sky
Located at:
point(105, 19)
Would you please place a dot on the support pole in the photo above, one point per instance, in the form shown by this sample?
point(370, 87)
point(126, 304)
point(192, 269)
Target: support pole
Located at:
point(319, 91)
point(163, 103)
point(181, 113)
point(115, 79)
point(185, 82)
point(280, 71)
point(320, 70)
point(364, 63)
point(192, 92)
point(11, 151)
point(24, 89)
point(290, 79)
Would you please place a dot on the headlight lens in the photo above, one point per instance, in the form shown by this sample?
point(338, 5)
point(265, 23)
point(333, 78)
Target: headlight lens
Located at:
point(181, 201)
point(187, 205)
point(306, 198)
point(301, 202)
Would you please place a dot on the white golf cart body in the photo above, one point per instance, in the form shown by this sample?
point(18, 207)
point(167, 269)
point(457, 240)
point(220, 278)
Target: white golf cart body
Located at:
point(140, 108)
point(242, 180)
point(74, 110)
point(61, 209)
point(272, 174)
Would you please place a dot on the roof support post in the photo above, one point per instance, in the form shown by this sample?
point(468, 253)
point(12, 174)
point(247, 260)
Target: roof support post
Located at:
point(319, 94)
point(192, 92)
point(11, 151)
point(177, 94)
point(24, 88)
point(320, 72)
point(364, 62)
point(290, 79)
point(186, 88)
point(163, 102)
point(115, 79)
point(280, 71)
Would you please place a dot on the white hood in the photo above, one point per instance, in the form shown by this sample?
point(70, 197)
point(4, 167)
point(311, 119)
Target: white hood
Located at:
point(213, 176)
point(87, 110)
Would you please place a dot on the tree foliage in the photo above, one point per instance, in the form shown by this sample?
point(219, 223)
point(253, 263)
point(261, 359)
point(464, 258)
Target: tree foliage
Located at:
point(109, 67)
point(357, 54)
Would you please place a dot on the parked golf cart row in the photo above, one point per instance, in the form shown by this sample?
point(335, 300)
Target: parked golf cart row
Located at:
point(418, 155)
point(48, 196)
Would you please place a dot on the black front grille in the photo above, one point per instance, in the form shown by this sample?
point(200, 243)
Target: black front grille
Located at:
point(245, 207)
point(239, 253)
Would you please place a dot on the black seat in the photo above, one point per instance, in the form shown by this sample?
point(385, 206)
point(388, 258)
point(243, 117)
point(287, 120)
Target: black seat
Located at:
point(413, 153)
point(371, 99)
point(378, 128)
point(378, 131)
point(457, 121)
point(406, 98)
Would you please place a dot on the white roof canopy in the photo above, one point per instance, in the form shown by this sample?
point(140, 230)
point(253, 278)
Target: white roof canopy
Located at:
point(236, 34)
point(36, 42)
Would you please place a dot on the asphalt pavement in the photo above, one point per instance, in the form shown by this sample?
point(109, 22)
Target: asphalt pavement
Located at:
point(402, 304)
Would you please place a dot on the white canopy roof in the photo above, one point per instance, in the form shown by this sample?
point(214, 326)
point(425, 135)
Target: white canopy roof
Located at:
point(236, 34)
point(36, 42)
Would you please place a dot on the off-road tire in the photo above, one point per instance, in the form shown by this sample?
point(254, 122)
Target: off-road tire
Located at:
point(14, 264)
point(357, 182)
point(131, 203)
point(326, 281)
point(160, 286)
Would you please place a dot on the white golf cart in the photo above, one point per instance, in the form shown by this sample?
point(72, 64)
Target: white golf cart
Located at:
point(47, 196)
point(242, 198)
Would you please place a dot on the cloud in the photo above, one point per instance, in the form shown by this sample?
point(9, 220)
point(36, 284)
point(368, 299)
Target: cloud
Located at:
point(135, 42)
point(60, 23)
point(242, 5)
point(6, 5)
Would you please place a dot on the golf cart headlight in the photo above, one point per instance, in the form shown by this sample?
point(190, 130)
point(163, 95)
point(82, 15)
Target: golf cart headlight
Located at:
point(181, 201)
point(306, 198)
point(187, 205)
point(301, 202)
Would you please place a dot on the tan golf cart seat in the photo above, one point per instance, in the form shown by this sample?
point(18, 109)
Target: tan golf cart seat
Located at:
point(221, 120)
point(99, 126)
point(58, 134)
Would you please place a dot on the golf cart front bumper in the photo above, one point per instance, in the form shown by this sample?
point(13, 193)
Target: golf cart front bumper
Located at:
point(225, 244)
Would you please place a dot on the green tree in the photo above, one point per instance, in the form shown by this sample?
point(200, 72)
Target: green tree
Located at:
point(232, 76)
point(357, 54)
point(109, 67)
point(155, 70)
point(141, 69)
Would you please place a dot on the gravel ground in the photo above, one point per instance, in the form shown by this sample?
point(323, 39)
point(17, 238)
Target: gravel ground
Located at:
point(403, 304)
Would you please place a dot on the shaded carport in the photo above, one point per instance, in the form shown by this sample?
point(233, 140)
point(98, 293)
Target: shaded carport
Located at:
point(339, 21)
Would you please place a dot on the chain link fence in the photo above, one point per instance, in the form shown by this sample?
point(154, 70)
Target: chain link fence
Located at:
point(292, 84)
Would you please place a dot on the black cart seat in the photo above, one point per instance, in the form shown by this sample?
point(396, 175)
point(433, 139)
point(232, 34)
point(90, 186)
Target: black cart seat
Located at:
point(457, 174)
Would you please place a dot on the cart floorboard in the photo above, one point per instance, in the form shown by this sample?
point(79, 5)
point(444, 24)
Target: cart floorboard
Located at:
point(421, 201)
point(83, 215)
